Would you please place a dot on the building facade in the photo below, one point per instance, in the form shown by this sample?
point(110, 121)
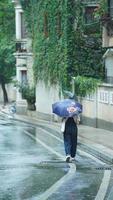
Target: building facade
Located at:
point(107, 40)
point(54, 42)
point(23, 55)
point(98, 107)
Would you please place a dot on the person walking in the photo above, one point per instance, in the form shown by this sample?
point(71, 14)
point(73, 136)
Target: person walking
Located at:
point(69, 109)
point(70, 132)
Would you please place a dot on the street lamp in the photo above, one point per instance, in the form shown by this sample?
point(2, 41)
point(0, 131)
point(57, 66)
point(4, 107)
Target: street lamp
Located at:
point(73, 85)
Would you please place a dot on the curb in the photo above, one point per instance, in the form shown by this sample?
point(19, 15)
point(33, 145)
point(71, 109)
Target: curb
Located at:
point(105, 157)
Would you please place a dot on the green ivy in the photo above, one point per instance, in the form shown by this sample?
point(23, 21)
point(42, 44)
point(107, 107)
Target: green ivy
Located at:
point(59, 56)
point(50, 53)
point(84, 86)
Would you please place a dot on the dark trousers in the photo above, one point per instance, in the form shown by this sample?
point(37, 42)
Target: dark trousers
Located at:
point(70, 142)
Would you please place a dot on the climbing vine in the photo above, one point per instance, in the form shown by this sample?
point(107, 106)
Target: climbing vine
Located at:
point(61, 49)
point(48, 30)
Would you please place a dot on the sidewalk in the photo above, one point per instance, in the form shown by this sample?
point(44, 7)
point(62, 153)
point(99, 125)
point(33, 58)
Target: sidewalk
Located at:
point(98, 142)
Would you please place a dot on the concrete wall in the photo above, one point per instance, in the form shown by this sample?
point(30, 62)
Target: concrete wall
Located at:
point(11, 91)
point(107, 40)
point(45, 97)
point(98, 111)
point(30, 76)
point(109, 65)
point(97, 108)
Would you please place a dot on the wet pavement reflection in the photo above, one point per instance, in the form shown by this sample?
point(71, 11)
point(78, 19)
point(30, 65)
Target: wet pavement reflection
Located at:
point(23, 173)
point(27, 169)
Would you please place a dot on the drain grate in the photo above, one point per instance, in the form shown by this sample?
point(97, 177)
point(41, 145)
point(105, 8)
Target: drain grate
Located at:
point(103, 168)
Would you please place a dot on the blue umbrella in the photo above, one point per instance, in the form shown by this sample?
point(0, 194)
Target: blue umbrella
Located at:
point(66, 108)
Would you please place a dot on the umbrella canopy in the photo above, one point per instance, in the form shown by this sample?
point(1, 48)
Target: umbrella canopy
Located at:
point(67, 108)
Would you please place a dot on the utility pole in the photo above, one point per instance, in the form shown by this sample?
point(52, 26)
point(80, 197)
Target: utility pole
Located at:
point(73, 85)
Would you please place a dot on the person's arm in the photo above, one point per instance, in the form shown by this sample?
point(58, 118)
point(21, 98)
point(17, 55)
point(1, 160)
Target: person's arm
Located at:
point(76, 119)
point(63, 118)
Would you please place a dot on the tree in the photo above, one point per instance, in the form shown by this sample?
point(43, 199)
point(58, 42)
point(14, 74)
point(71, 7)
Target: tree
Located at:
point(7, 69)
point(7, 61)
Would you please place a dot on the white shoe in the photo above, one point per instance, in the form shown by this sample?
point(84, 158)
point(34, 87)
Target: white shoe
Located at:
point(72, 158)
point(68, 158)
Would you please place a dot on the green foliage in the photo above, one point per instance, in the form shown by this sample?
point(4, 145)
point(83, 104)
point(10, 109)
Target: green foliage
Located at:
point(27, 92)
point(84, 46)
point(102, 8)
point(7, 61)
point(59, 56)
point(7, 19)
point(84, 85)
point(49, 46)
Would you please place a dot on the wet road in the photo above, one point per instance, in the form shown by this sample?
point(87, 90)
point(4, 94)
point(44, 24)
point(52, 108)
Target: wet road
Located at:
point(32, 167)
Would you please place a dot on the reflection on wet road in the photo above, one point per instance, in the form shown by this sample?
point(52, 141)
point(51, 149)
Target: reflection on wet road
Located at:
point(30, 166)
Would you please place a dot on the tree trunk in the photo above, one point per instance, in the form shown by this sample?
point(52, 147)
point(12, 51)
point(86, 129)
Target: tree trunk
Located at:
point(31, 106)
point(5, 97)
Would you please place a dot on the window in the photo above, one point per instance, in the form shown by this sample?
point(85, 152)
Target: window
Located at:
point(92, 25)
point(110, 3)
point(89, 14)
point(21, 47)
point(23, 76)
point(18, 47)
